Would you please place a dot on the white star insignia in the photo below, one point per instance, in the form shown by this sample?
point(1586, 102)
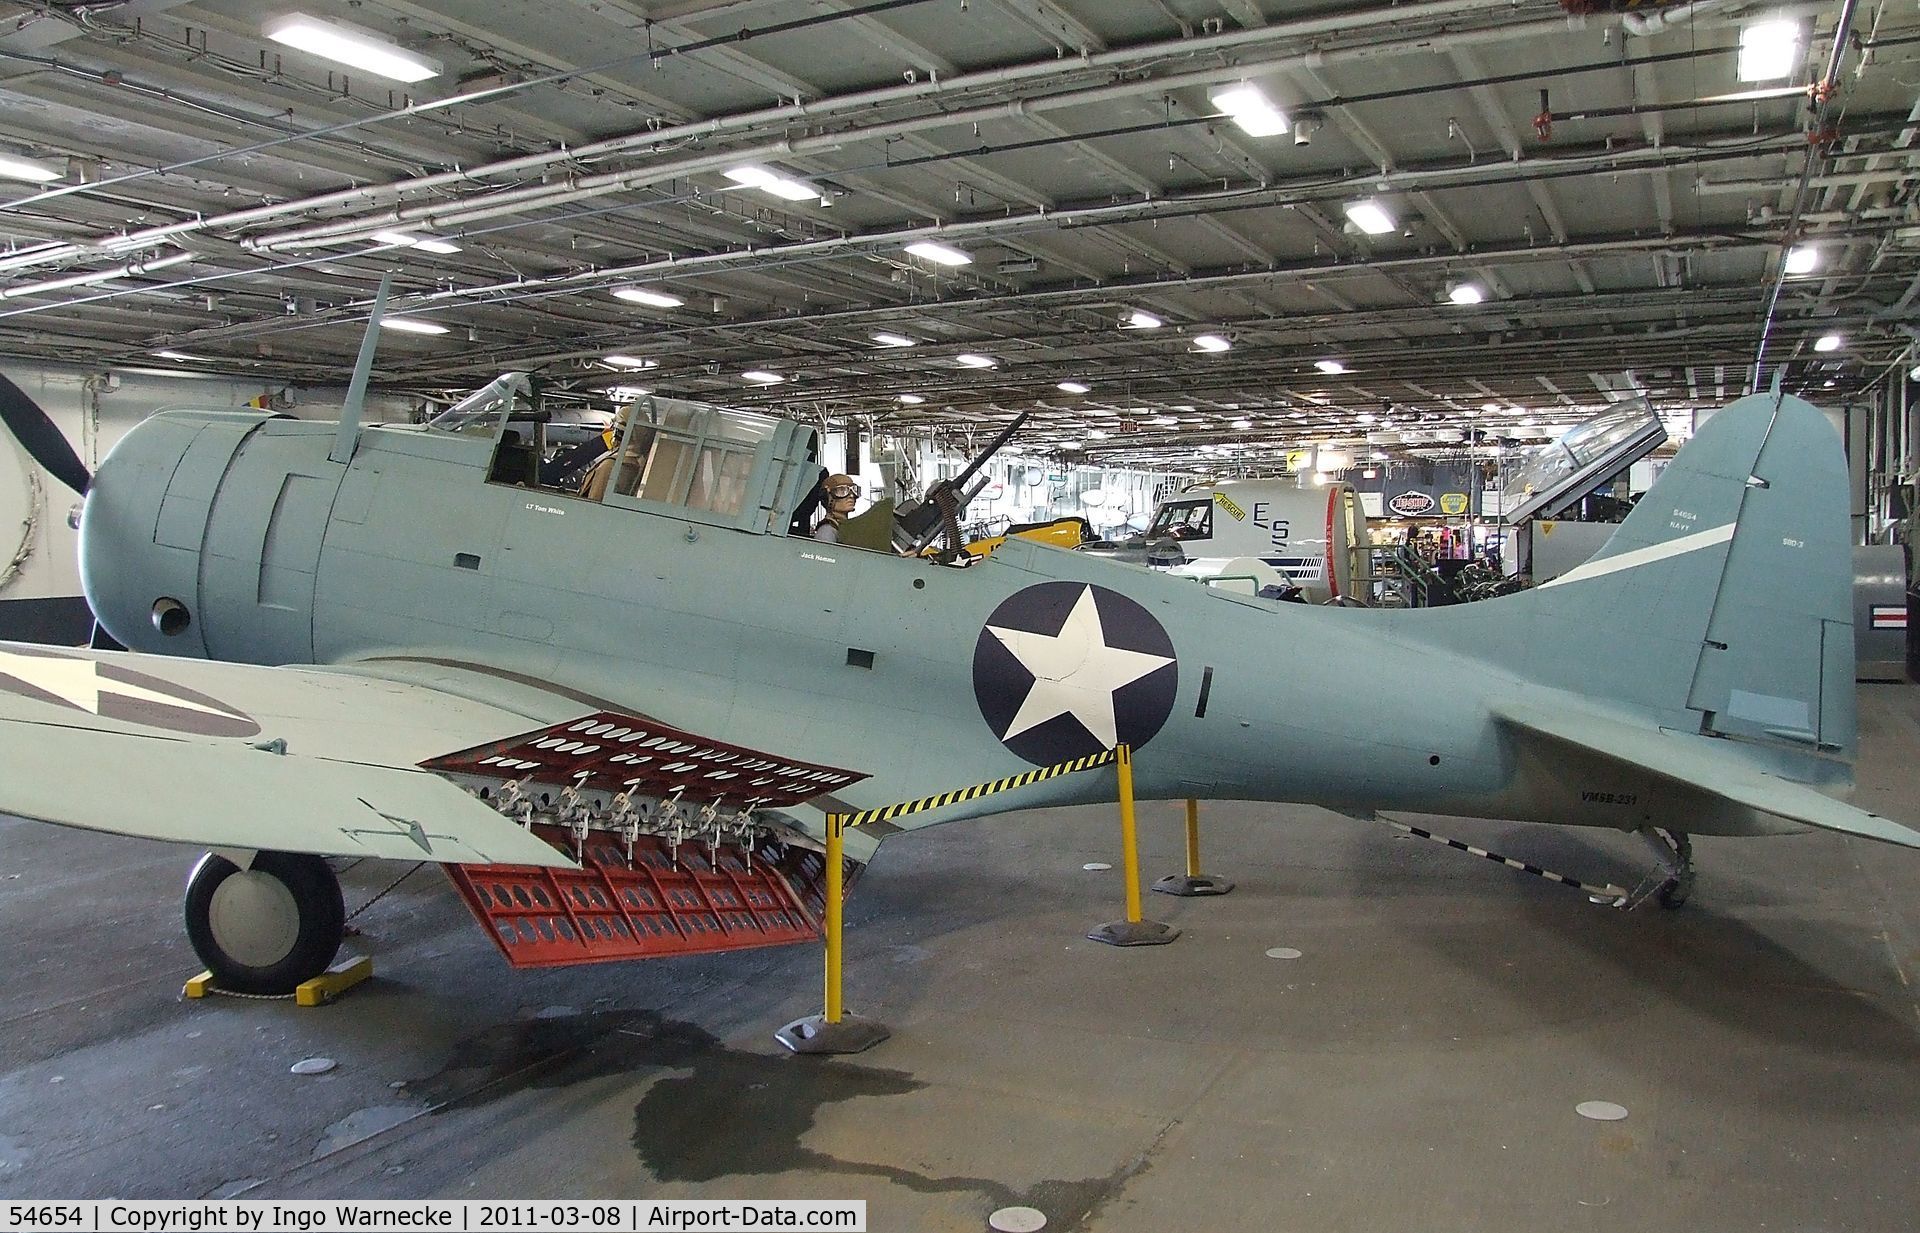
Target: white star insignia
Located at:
point(1075, 672)
point(78, 683)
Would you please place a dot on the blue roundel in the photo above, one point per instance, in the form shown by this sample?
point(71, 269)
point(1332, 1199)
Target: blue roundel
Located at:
point(1067, 669)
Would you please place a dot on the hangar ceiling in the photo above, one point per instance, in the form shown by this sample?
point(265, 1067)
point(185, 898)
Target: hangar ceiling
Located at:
point(220, 196)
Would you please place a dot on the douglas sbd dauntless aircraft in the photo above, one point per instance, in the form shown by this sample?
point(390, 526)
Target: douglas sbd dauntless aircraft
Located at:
point(621, 722)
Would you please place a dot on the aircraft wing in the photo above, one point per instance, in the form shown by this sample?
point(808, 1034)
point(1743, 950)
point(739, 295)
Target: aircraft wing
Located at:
point(1710, 766)
point(235, 756)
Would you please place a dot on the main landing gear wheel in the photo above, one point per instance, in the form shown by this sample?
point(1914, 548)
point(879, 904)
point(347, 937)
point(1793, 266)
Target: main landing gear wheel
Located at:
point(1675, 851)
point(267, 928)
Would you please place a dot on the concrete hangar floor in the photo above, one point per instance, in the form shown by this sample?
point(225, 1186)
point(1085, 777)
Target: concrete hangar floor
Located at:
point(1416, 1067)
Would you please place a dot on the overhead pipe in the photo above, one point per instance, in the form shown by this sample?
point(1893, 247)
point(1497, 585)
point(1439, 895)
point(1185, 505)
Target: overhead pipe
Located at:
point(1160, 208)
point(462, 99)
point(511, 201)
point(958, 85)
point(1822, 99)
point(1646, 24)
point(1405, 179)
point(1108, 290)
point(1771, 187)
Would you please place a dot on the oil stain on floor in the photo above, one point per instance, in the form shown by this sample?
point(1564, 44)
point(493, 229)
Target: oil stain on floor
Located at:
point(729, 1113)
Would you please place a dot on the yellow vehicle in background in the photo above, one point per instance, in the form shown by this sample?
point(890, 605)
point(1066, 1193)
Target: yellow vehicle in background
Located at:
point(1060, 533)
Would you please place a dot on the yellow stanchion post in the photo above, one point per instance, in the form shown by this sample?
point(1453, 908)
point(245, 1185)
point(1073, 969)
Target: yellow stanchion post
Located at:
point(1193, 882)
point(836, 900)
point(1133, 931)
point(834, 1031)
point(1129, 834)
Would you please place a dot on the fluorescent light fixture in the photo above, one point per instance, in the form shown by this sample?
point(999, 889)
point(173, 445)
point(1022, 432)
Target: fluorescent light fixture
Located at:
point(1073, 387)
point(760, 376)
point(1466, 293)
point(768, 180)
point(1137, 320)
point(1490, 407)
point(791, 190)
point(751, 176)
point(1802, 258)
point(939, 254)
point(1099, 434)
point(1365, 417)
point(1165, 421)
point(1828, 342)
point(1252, 110)
point(426, 244)
point(13, 168)
point(912, 400)
point(1769, 50)
point(1242, 425)
point(1332, 368)
point(351, 46)
point(640, 295)
point(892, 340)
point(98, 276)
point(1210, 342)
point(181, 355)
point(968, 359)
point(630, 361)
point(1369, 216)
point(411, 325)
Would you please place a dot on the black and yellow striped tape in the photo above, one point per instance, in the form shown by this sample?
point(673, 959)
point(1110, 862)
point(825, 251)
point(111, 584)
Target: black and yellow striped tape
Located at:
point(889, 812)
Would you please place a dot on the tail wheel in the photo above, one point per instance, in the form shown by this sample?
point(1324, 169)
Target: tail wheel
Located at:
point(267, 928)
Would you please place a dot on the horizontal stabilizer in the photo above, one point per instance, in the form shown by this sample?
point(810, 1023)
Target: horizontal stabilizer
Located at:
point(231, 795)
point(1709, 765)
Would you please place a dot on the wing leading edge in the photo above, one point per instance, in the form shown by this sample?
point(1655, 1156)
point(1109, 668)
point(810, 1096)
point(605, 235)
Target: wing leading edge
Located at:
point(232, 756)
point(1709, 766)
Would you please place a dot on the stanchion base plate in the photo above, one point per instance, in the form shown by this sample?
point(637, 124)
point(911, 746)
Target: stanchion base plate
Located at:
point(1188, 885)
point(814, 1034)
point(1134, 933)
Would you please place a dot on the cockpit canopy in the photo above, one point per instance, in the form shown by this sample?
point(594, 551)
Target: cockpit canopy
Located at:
point(693, 460)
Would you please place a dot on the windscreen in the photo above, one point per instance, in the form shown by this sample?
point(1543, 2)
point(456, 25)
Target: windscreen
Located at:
point(479, 413)
point(1183, 520)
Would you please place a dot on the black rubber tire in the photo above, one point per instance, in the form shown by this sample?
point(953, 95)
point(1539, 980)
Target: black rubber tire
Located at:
point(322, 922)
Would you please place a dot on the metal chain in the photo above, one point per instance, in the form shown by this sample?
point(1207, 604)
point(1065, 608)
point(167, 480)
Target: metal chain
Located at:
point(390, 887)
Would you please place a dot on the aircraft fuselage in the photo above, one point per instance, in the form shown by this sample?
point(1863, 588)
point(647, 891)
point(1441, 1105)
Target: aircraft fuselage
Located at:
point(408, 553)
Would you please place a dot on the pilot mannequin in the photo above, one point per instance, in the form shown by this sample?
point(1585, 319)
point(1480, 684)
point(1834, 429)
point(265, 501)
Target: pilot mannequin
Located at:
point(842, 495)
point(593, 486)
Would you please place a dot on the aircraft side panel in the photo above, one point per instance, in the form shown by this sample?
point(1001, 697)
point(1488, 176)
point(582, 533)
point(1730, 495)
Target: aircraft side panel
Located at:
point(416, 569)
point(262, 548)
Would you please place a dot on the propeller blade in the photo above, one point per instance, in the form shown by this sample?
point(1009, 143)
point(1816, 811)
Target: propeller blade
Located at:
point(35, 432)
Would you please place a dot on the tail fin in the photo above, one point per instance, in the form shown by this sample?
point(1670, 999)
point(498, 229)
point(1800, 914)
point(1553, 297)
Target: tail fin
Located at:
point(1722, 605)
